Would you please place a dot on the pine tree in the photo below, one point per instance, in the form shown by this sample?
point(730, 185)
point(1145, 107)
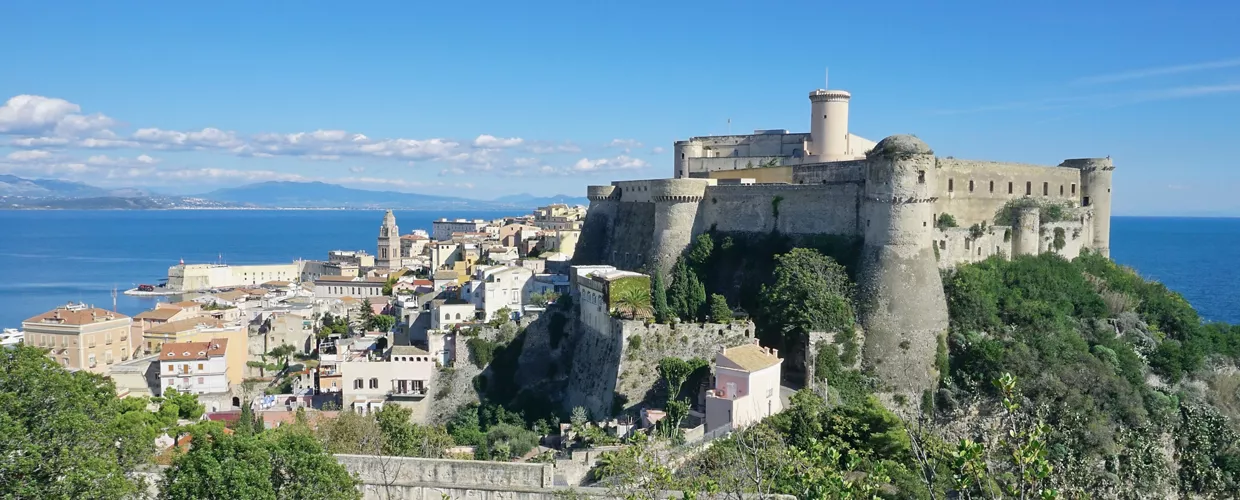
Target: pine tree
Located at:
point(719, 310)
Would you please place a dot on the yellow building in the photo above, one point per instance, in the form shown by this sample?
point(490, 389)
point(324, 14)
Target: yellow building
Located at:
point(81, 337)
point(760, 175)
point(203, 329)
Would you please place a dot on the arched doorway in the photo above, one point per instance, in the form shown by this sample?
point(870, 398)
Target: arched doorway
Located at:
point(236, 402)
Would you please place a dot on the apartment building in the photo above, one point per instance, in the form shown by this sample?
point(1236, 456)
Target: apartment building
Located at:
point(81, 337)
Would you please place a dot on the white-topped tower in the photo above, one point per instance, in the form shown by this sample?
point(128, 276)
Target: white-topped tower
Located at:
point(828, 125)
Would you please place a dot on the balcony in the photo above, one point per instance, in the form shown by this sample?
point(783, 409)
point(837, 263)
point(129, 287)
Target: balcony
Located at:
point(408, 389)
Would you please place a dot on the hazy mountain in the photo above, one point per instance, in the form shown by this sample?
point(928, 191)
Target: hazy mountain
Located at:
point(12, 185)
point(324, 195)
point(531, 200)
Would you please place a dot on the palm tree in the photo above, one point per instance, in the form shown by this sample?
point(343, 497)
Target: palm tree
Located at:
point(633, 302)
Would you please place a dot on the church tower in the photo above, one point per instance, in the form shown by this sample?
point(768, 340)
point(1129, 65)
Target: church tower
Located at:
point(388, 256)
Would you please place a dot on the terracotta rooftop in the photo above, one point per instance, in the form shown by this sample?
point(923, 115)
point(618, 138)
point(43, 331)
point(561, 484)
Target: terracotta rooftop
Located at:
point(160, 314)
point(408, 350)
point(751, 357)
point(186, 303)
point(335, 278)
point(193, 351)
point(83, 316)
point(185, 325)
point(277, 283)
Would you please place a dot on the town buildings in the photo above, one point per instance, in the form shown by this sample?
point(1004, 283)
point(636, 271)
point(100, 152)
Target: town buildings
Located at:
point(442, 229)
point(746, 387)
point(401, 375)
point(195, 277)
point(194, 367)
point(82, 337)
point(335, 287)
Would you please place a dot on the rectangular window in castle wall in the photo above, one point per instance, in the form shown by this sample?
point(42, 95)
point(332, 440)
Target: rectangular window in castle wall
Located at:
point(1074, 188)
point(970, 185)
point(1009, 188)
point(1061, 190)
point(921, 176)
point(1028, 188)
point(992, 186)
point(1046, 189)
point(951, 185)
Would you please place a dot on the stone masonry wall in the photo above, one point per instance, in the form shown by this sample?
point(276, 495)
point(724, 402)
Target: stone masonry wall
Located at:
point(639, 375)
point(803, 209)
point(980, 204)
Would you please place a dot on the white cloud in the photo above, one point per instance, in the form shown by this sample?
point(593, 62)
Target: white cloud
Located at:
point(37, 142)
point(490, 141)
point(624, 143)
point(525, 162)
point(543, 148)
point(38, 115)
point(94, 143)
point(657, 150)
point(1141, 74)
point(107, 161)
point(357, 169)
point(29, 155)
point(207, 138)
point(621, 162)
point(452, 171)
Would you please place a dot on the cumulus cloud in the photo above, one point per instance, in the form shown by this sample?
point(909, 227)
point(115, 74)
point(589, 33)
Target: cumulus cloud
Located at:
point(29, 155)
point(621, 162)
point(38, 115)
point(543, 148)
point(357, 169)
point(657, 150)
point(207, 138)
point(490, 141)
point(107, 161)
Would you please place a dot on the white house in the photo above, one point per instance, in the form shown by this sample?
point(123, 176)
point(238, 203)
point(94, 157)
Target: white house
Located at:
point(496, 287)
point(746, 387)
point(405, 374)
point(444, 314)
point(194, 367)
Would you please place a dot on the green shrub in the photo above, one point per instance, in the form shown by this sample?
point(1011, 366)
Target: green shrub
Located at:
point(945, 221)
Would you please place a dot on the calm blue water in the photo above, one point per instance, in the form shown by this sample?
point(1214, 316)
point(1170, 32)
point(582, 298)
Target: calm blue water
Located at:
point(50, 257)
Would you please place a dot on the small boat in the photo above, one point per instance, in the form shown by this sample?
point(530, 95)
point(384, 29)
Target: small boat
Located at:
point(11, 337)
point(146, 288)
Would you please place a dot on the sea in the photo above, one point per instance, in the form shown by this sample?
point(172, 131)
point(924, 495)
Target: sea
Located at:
point(51, 257)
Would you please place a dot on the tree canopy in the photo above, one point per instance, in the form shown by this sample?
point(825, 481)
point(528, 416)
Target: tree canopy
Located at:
point(811, 292)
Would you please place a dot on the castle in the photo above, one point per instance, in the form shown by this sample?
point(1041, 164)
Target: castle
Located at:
point(913, 211)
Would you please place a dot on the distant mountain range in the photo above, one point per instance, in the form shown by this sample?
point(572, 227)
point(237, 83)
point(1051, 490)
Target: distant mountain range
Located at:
point(17, 192)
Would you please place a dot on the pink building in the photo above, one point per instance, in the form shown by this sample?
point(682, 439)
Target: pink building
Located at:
point(746, 387)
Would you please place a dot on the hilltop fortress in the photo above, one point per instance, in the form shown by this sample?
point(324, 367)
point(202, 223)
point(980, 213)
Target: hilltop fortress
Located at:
point(913, 212)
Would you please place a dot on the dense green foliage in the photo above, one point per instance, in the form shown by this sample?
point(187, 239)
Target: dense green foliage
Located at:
point(811, 293)
point(1085, 335)
point(687, 295)
point(281, 463)
point(631, 297)
point(719, 310)
point(66, 434)
point(495, 432)
point(1048, 211)
point(658, 294)
point(945, 221)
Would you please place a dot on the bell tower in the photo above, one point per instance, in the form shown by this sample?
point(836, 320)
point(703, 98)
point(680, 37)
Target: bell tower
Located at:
point(388, 255)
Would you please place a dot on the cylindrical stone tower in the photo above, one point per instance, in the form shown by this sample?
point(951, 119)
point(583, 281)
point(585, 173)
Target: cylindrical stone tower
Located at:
point(1025, 237)
point(594, 242)
point(828, 125)
point(676, 206)
point(1096, 193)
point(901, 301)
point(683, 150)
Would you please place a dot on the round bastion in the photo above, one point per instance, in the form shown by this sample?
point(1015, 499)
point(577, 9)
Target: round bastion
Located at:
point(599, 193)
point(829, 95)
point(1089, 164)
point(678, 190)
point(900, 145)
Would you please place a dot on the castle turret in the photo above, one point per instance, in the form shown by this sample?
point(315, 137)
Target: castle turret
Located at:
point(1096, 193)
point(682, 151)
point(676, 206)
point(593, 245)
point(388, 256)
point(901, 301)
point(828, 124)
point(1026, 233)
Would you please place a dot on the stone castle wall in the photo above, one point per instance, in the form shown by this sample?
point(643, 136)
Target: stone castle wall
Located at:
point(802, 209)
point(990, 185)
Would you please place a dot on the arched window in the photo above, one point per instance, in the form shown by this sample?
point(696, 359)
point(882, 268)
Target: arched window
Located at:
point(374, 383)
point(357, 384)
point(458, 315)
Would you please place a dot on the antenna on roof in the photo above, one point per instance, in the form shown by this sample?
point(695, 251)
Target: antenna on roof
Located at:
point(826, 76)
point(113, 298)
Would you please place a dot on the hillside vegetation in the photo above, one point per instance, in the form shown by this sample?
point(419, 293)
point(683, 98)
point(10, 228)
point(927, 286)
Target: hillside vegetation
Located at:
point(1059, 379)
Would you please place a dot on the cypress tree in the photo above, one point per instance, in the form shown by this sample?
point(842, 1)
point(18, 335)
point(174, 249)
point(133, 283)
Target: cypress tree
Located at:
point(658, 294)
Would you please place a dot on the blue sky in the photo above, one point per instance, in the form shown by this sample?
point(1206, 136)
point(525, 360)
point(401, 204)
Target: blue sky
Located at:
point(485, 99)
